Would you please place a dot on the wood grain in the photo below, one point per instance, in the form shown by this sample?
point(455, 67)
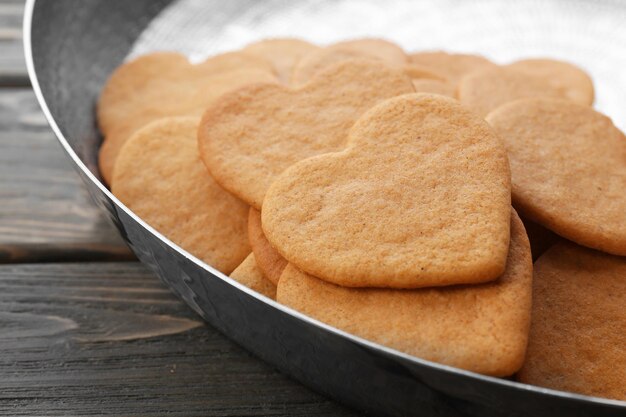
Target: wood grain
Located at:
point(12, 65)
point(45, 214)
point(109, 339)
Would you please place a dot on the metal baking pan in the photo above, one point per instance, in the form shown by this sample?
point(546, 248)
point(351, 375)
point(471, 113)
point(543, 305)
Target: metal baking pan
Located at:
point(73, 45)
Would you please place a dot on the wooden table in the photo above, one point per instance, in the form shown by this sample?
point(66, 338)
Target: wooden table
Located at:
point(84, 328)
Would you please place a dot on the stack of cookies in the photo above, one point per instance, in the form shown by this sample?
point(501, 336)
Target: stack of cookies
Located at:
point(379, 191)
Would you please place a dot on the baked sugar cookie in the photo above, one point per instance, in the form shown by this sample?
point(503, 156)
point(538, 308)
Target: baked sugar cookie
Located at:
point(147, 77)
point(132, 76)
point(160, 177)
point(568, 165)
point(484, 91)
point(452, 67)
point(166, 84)
point(249, 137)
point(251, 276)
point(267, 258)
point(376, 49)
point(283, 53)
point(481, 328)
point(573, 82)
point(578, 329)
point(420, 197)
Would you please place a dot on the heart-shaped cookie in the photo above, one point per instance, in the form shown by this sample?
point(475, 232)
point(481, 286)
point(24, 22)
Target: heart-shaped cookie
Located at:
point(250, 136)
point(568, 166)
point(578, 328)
point(316, 62)
point(482, 328)
point(573, 82)
point(377, 49)
point(420, 197)
point(484, 91)
point(165, 84)
point(160, 177)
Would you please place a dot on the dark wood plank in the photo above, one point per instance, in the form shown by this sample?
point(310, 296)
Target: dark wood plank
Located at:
point(109, 339)
point(45, 214)
point(12, 65)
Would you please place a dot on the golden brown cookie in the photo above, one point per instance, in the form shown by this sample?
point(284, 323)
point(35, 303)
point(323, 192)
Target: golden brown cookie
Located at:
point(249, 274)
point(160, 177)
point(453, 67)
point(420, 197)
point(377, 49)
point(249, 137)
point(283, 53)
point(568, 165)
point(268, 259)
point(573, 82)
point(481, 328)
point(485, 91)
point(166, 84)
point(127, 77)
point(149, 74)
point(578, 329)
